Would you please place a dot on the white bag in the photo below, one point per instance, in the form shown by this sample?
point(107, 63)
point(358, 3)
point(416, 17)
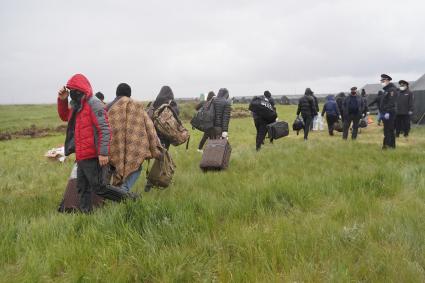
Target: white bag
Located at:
point(318, 123)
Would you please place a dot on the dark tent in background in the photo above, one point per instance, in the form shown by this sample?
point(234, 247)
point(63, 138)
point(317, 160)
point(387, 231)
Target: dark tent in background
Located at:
point(418, 89)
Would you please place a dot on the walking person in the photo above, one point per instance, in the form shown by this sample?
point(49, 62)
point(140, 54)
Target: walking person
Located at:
point(222, 109)
point(353, 108)
point(101, 97)
point(134, 138)
point(340, 101)
point(404, 109)
point(165, 96)
point(388, 108)
point(261, 124)
point(307, 109)
point(88, 136)
point(210, 133)
point(332, 113)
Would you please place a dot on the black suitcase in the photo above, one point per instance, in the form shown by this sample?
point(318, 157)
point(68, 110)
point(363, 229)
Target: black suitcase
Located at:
point(339, 126)
point(216, 155)
point(277, 130)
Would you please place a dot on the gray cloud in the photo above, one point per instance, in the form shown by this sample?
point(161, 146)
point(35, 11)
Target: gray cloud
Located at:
point(197, 46)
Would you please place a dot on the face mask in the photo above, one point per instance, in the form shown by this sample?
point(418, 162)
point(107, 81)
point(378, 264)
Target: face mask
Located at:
point(353, 93)
point(76, 95)
point(403, 88)
point(384, 84)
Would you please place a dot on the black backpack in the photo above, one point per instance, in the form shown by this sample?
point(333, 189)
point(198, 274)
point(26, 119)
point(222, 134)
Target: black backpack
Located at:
point(263, 108)
point(204, 118)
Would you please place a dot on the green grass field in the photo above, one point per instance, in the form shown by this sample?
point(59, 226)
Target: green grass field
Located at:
point(325, 210)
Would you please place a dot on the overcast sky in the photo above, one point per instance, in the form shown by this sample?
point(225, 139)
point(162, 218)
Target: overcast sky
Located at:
point(196, 46)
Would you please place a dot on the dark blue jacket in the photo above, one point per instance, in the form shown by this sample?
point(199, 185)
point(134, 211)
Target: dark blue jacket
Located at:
point(358, 102)
point(330, 107)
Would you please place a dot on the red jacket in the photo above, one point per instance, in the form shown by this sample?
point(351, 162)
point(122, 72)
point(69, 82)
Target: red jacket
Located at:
point(92, 133)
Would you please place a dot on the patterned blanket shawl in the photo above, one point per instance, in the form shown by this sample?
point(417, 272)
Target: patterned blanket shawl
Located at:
point(134, 138)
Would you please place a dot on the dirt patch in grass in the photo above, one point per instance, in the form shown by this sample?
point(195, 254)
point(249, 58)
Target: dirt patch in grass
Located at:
point(32, 132)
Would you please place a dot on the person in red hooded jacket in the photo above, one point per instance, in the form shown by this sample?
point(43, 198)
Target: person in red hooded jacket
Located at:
point(88, 136)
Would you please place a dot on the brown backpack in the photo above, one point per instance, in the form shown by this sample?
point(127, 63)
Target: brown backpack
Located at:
point(169, 125)
point(162, 170)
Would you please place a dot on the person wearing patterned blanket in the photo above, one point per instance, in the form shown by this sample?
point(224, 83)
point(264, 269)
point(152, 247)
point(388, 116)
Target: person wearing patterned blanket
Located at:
point(134, 138)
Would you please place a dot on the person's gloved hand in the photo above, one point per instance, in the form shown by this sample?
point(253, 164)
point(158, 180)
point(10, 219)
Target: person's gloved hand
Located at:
point(410, 112)
point(387, 116)
point(363, 115)
point(277, 119)
point(224, 135)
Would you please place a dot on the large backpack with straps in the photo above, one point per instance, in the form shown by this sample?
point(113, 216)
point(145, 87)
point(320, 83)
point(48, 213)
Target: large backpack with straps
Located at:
point(162, 171)
point(263, 108)
point(204, 118)
point(169, 125)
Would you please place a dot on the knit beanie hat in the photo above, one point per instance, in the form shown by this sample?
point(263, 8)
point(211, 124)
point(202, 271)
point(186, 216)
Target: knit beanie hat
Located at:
point(123, 89)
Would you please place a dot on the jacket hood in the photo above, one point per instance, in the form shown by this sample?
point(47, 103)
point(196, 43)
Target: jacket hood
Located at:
point(330, 98)
point(81, 83)
point(267, 94)
point(164, 96)
point(308, 91)
point(223, 92)
point(211, 94)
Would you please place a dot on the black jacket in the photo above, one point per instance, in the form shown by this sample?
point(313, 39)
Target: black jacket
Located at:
point(339, 101)
point(222, 110)
point(404, 102)
point(306, 106)
point(316, 103)
point(365, 107)
point(389, 99)
point(346, 104)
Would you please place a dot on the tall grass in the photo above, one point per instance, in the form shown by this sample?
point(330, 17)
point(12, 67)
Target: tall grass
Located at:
point(322, 210)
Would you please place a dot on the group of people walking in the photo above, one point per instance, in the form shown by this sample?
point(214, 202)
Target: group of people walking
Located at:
point(395, 107)
point(123, 134)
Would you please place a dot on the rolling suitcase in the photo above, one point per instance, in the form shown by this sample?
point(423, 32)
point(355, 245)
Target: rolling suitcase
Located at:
point(277, 130)
point(216, 155)
point(71, 198)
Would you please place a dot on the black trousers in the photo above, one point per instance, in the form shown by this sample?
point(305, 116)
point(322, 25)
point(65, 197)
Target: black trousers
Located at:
point(402, 124)
point(351, 118)
point(92, 177)
point(261, 127)
point(331, 120)
point(307, 124)
point(389, 134)
point(208, 134)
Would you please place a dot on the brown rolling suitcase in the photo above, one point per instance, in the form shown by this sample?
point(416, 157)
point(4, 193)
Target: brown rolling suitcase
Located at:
point(71, 198)
point(216, 155)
